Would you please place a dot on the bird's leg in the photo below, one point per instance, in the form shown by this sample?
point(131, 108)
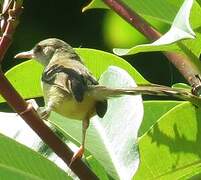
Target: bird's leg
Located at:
point(44, 112)
point(31, 104)
point(80, 152)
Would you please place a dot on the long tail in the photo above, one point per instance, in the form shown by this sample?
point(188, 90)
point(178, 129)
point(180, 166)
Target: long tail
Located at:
point(103, 92)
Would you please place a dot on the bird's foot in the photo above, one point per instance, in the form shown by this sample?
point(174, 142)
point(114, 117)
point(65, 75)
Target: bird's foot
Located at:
point(31, 104)
point(43, 113)
point(77, 155)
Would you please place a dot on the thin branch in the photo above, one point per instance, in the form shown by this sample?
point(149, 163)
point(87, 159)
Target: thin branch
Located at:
point(9, 26)
point(26, 111)
point(191, 70)
point(133, 18)
point(4, 15)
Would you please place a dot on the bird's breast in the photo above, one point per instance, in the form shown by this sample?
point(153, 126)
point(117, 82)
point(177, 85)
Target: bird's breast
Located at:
point(65, 104)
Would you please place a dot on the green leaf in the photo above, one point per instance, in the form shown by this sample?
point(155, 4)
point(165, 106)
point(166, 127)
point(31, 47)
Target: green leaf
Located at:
point(161, 10)
point(153, 110)
point(28, 83)
point(179, 30)
point(97, 168)
point(13, 126)
point(146, 48)
point(181, 86)
point(118, 33)
point(12, 173)
point(171, 148)
point(95, 4)
point(164, 11)
point(199, 2)
point(192, 46)
point(99, 61)
point(112, 139)
point(16, 159)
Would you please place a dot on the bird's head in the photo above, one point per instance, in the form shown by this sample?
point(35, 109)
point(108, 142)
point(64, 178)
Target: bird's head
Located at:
point(46, 49)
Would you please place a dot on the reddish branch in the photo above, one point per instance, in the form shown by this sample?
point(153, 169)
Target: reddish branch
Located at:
point(25, 110)
point(190, 69)
point(133, 18)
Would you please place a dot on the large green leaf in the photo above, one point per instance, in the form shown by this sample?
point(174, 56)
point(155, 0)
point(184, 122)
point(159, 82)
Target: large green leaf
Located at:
point(13, 126)
point(20, 161)
point(179, 30)
point(192, 46)
point(99, 61)
point(153, 110)
point(161, 10)
point(12, 173)
point(199, 2)
point(164, 11)
point(112, 139)
point(171, 148)
point(28, 83)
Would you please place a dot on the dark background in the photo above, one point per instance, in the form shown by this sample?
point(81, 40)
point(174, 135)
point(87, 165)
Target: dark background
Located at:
point(63, 19)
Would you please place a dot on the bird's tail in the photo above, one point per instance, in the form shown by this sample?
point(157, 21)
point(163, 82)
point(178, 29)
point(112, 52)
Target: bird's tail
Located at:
point(103, 92)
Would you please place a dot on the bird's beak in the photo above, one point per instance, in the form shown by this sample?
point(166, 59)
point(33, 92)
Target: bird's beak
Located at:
point(25, 55)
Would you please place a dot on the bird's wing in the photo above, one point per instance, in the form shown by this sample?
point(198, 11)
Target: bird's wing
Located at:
point(68, 79)
point(73, 83)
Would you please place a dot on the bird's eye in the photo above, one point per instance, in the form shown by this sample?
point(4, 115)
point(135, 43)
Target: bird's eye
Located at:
point(38, 48)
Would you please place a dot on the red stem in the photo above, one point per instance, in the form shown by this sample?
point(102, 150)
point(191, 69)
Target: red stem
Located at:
point(133, 18)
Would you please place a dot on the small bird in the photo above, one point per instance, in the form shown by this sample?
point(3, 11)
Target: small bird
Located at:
point(71, 90)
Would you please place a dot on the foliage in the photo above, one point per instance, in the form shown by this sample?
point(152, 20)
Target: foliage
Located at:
point(164, 144)
point(22, 163)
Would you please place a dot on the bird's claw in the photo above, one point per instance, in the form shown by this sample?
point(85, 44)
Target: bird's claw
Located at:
point(28, 108)
point(43, 113)
point(31, 104)
point(77, 155)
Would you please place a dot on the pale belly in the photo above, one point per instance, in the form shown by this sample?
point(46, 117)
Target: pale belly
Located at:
point(73, 109)
point(65, 105)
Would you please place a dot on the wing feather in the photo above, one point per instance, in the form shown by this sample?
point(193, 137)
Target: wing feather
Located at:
point(67, 79)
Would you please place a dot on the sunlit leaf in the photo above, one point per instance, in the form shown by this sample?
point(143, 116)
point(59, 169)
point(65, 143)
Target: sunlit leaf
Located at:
point(171, 148)
point(12, 173)
point(153, 110)
point(13, 126)
point(146, 8)
point(26, 82)
point(97, 168)
point(179, 30)
point(182, 86)
point(16, 159)
point(164, 11)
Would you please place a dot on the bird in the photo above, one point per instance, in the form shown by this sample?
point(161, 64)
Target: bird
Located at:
point(72, 91)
